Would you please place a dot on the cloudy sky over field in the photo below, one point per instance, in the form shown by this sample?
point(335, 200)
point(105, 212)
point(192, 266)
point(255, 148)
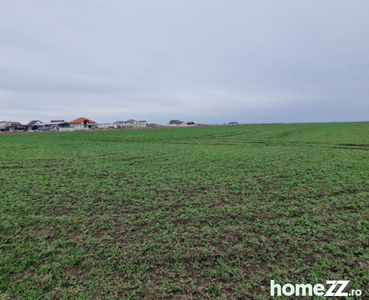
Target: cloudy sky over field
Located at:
point(205, 61)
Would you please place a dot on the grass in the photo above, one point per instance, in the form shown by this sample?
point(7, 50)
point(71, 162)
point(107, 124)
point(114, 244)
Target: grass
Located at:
point(187, 213)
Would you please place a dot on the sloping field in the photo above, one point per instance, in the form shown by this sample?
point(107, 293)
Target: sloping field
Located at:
point(186, 213)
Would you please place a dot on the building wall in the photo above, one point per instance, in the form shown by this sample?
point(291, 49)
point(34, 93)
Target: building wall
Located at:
point(61, 129)
point(130, 124)
point(105, 125)
point(79, 126)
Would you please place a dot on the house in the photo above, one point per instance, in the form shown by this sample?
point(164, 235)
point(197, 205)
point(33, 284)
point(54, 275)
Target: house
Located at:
point(176, 123)
point(3, 125)
point(105, 125)
point(190, 123)
point(141, 123)
point(34, 125)
point(134, 123)
point(129, 123)
point(82, 124)
point(16, 126)
point(54, 126)
point(118, 124)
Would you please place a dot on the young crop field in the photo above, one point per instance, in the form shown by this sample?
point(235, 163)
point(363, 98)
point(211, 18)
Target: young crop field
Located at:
point(184, 213)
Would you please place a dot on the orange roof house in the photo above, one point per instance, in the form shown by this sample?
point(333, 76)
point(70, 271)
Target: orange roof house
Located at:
point(82, 123)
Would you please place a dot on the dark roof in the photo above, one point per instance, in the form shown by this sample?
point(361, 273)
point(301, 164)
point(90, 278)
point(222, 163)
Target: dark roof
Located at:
point(175, 122)
point(233, 123)
point(57, 121)
point(81, 120)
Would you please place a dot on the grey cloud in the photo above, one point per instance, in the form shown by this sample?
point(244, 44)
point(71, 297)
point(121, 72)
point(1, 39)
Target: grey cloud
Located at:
point(212, 61)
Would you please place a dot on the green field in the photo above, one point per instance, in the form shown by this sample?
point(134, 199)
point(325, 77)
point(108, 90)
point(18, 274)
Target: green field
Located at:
point(184, 213)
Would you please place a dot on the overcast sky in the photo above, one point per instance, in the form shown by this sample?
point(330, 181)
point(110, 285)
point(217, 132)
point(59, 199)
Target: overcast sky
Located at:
point(206, 61)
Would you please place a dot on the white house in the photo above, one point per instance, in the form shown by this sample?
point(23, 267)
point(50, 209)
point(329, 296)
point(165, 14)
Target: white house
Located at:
point(3, 125)
point(105, 125)
point(130, 123)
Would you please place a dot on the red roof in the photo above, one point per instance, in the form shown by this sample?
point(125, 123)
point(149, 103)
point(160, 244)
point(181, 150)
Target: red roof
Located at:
point(130, 121)
point(15, 123)
point(81, 120)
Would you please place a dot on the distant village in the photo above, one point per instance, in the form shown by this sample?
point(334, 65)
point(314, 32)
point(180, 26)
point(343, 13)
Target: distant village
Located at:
point(85, 124)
